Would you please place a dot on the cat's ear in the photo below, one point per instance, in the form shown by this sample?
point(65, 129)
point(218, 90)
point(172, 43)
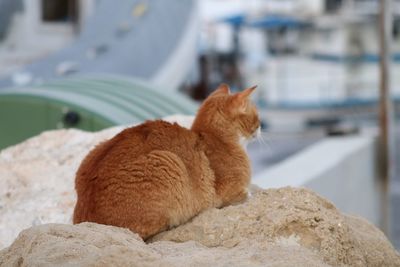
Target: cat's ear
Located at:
point(240, 101)
point(223, 89)
point(247, 92)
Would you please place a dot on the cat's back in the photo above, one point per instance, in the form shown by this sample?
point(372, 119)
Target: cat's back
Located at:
point(136, 141)
point(158, 134)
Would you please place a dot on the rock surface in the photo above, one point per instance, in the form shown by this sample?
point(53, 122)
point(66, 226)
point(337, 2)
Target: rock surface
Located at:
point(275, 227)
point(90, 244)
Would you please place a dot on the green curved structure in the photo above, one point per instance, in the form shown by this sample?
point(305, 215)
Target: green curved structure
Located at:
point(90, 103)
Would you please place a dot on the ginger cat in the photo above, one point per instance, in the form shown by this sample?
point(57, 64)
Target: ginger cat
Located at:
point(157, 175)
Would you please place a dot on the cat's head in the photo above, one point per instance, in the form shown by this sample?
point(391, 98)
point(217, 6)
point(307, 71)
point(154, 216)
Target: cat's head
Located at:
point(235, 112)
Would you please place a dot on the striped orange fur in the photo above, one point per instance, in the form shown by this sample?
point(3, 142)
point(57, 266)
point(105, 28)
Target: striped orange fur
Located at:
point(157, 175)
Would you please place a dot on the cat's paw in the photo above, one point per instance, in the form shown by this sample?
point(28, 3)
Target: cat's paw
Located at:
point(240, 198)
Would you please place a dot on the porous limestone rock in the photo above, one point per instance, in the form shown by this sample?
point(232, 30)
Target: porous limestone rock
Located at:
point(275, 227)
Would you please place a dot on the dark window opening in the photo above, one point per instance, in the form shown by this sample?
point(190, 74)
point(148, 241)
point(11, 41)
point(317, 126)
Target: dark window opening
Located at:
point(396, 29)
point(59, 11)
point(332, 6)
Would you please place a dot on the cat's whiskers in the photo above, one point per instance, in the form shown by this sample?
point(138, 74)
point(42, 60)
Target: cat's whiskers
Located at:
point(264, 141)
point(258, 136)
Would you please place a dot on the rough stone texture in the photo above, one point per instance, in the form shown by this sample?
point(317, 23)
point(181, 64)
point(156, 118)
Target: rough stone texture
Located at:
point(90, 244)
point(277, 214)
point(37, 179)
point(275, 227)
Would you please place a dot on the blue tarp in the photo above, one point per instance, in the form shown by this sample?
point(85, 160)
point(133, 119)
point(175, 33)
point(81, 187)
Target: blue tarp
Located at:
point(235, 20)
point(331, 104)
point(364, 58)
point(275, 21)
point(266, 22)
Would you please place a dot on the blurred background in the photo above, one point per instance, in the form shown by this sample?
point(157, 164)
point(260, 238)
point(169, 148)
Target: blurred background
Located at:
point(92, 64)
